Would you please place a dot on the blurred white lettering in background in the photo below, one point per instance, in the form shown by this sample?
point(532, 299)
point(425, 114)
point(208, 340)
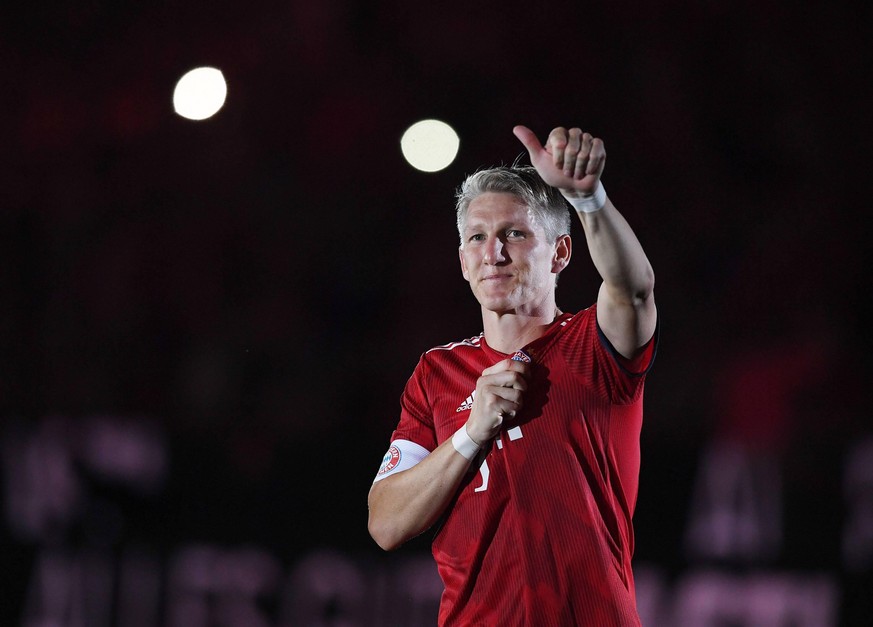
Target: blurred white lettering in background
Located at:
point(101, 578)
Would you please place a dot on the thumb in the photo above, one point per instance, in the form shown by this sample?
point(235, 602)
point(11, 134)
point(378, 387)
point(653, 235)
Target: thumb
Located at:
point(529, 139)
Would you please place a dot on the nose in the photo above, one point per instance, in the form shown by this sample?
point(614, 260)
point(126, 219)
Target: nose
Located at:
point(494, 251)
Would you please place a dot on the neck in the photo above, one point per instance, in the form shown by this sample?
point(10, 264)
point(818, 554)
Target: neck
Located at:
point(507, 332)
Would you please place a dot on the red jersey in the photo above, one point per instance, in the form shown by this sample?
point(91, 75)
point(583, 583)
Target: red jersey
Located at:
point(540, 531)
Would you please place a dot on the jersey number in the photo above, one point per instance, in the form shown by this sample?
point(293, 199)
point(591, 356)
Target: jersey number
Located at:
point(514, 434)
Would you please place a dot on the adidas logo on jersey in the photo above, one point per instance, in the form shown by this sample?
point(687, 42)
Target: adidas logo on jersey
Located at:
point(467, 404)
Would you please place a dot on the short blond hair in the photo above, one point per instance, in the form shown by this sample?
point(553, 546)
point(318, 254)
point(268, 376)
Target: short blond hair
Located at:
point(545, 203)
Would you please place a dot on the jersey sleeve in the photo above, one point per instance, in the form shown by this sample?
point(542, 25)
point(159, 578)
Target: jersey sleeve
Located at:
point(590, 354)
point(416, 416)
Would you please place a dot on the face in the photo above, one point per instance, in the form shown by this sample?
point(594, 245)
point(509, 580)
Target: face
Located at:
point(506, 257)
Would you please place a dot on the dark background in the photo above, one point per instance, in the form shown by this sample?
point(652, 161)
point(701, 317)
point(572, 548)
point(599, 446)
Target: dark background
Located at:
point(257, 287)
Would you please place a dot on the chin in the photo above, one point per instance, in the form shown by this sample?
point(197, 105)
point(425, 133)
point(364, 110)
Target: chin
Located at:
point(499, 303)
point(498, 306)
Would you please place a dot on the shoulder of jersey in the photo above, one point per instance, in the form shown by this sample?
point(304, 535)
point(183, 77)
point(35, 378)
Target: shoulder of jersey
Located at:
point(473, 342)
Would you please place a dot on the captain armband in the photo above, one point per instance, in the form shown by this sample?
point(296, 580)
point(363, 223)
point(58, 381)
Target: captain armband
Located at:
point(402, 455)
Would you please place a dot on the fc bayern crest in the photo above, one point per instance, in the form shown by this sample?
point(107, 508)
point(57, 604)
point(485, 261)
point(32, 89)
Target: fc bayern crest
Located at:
point(520, 355)
point(390, 461)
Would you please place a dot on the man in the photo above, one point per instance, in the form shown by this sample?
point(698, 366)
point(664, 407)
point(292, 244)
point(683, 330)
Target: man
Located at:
point(523, 442)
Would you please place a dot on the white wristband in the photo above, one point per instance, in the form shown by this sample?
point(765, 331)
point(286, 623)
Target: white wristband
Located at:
point(592, 203)
point(464, 444)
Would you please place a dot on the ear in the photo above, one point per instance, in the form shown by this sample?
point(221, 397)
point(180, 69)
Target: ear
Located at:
point(463, 264)
point(563, 252)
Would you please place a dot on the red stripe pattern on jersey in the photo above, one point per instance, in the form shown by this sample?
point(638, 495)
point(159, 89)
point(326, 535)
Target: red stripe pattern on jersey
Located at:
point(540, 531)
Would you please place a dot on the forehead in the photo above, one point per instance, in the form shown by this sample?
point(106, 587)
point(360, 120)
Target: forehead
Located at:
point(498, 207)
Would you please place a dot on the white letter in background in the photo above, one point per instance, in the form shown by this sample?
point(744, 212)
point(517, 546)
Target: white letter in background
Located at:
point(736, 507)
point(858, 491)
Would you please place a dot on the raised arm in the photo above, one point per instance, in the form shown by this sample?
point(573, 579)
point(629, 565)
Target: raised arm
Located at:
point(573, 162)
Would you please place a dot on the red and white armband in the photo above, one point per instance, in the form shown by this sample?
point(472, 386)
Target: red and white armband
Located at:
point(402, 455)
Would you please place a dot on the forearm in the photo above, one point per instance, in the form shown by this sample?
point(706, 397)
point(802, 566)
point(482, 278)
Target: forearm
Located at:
point(618, 255)
point(573, 162)
point(406, 504)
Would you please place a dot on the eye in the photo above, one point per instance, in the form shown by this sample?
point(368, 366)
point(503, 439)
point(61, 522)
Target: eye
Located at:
point(478, 237)
point(515, 234)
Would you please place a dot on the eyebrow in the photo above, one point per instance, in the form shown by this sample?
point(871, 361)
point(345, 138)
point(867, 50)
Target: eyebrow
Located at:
point(478, 225)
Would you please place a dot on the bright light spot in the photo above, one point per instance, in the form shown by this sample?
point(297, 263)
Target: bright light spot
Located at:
point(200, 93)
point(430, 145)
